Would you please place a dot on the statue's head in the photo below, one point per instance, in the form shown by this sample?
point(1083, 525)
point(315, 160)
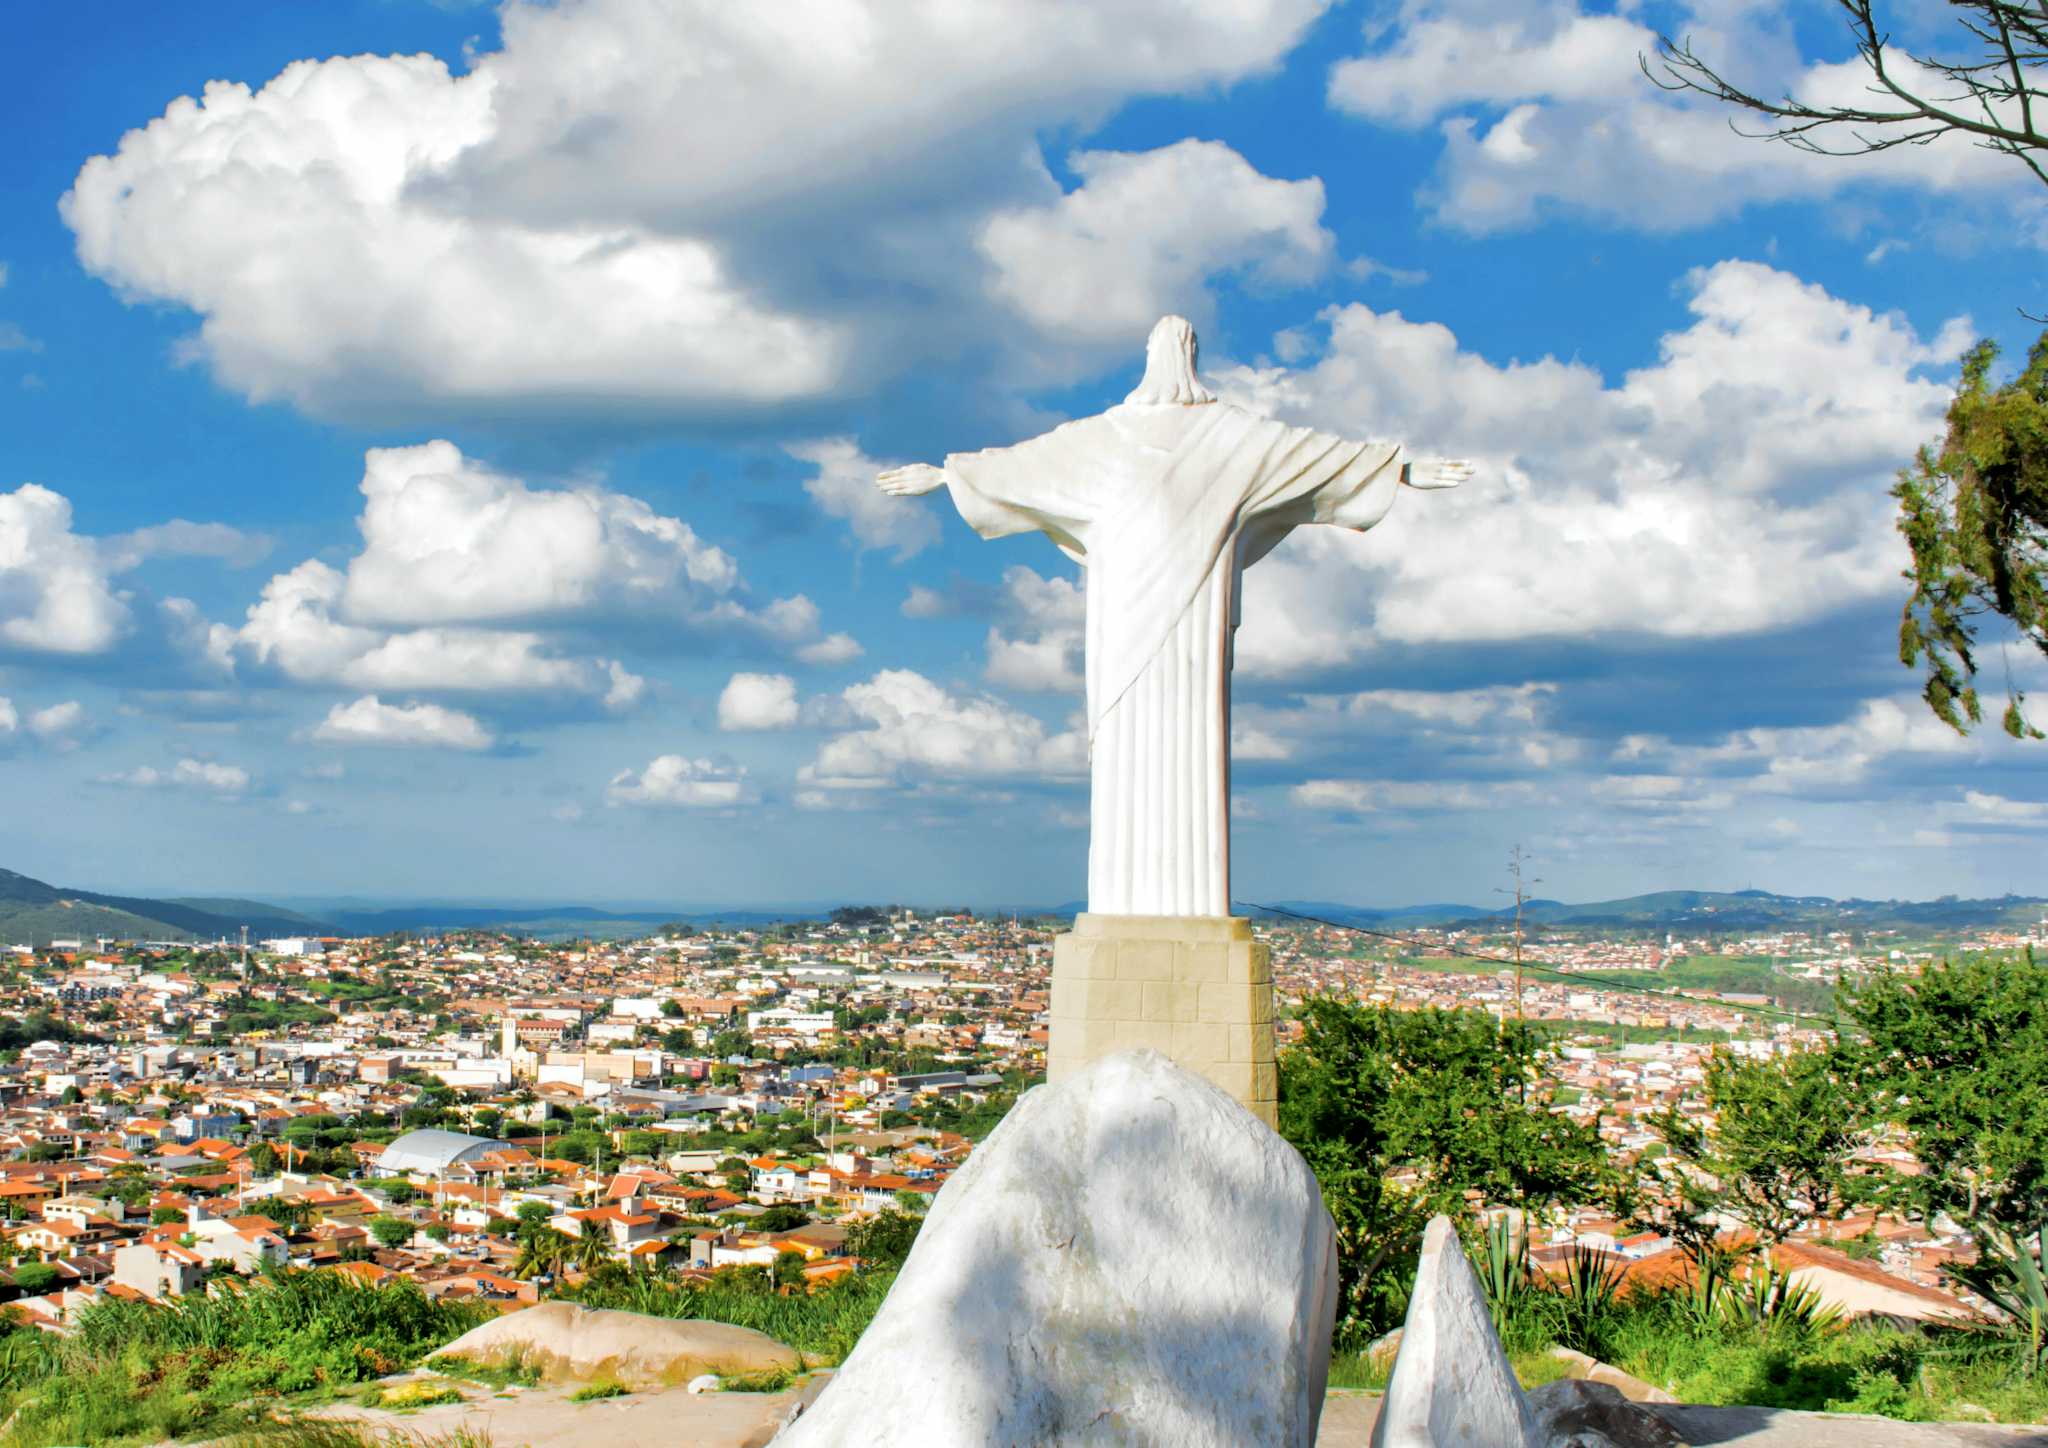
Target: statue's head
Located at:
point(1170, 366)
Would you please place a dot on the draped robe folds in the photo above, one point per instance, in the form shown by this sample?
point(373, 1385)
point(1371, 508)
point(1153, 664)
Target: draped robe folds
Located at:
point(1165, 505)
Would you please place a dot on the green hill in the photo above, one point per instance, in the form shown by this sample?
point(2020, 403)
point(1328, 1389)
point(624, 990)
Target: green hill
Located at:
point(35, 913)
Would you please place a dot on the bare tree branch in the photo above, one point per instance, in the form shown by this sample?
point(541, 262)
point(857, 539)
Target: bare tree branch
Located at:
point(1994, 102)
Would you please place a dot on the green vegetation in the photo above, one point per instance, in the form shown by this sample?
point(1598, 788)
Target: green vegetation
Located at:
point(328, 1433)
point(1723, 975)
point(1948, 1059)
point(423, 1393)
point(822, 1325)
point(137, 1372)
point(1778, 1155)
point(592, 1392)
point(1447, 1100)
point(19, 1031)
point(1975, 514)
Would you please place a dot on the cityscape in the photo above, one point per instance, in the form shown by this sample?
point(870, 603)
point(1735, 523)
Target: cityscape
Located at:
point(405, 1106)
point(859, 724)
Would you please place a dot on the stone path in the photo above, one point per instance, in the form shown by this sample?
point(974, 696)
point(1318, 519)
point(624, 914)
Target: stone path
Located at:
point(545, 1418)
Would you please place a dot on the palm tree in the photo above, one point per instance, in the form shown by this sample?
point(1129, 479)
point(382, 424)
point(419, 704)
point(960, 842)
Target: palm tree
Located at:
point(589, 1251)
point(540, 1253)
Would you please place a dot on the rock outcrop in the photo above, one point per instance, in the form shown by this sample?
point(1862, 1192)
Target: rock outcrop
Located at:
point(567, 1343)
point(1582, 1413)
point(1131, 1257)
point(1452, 1385)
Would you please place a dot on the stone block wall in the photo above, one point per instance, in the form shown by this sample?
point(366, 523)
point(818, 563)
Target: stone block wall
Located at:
point(1198, 989)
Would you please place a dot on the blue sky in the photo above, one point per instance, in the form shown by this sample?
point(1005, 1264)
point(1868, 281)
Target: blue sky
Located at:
point(438, 442)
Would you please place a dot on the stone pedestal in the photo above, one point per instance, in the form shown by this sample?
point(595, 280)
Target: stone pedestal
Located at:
point(1196, 988)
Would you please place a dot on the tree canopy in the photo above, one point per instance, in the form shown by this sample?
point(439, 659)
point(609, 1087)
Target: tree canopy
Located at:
point(1975, 513)
point(1401, 1114)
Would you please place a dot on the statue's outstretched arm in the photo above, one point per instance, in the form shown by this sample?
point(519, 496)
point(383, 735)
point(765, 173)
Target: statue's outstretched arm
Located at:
point(911, 480)
point(1436, 472)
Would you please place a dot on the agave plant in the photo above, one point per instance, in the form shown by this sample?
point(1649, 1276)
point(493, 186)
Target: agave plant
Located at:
point(2007, 1273)
point(1769, 1300)
point(1515, 1299)
point(1699, 1301)
point(1592, 1281)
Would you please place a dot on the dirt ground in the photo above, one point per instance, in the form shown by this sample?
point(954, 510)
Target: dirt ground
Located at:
point(672, 1418)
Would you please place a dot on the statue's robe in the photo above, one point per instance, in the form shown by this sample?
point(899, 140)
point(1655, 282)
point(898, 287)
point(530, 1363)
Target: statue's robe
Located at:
point(1165, 504)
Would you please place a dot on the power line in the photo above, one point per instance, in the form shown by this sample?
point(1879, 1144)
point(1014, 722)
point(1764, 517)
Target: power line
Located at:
point(1565, 975)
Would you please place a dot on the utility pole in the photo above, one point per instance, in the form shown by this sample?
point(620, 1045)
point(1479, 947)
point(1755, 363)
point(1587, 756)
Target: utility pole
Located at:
point(1521, 894)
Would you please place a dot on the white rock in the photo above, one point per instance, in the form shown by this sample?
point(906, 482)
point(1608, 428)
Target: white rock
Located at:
point(706, 1383)
point(1131, 1257)
point(1452, 1386)
point(565, 1342)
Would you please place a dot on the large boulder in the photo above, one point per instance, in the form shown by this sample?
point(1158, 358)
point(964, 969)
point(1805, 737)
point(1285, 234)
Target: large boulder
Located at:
point(1131, 1257)
point(567, 1343)
point(1582, 1413)
point(1452, 1385)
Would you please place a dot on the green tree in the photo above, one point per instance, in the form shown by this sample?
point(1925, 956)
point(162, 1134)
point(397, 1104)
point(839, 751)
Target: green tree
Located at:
point(541, 1253)
point(164, 1216)
point(589, 1250)
point(781, 1218)
point(400, 1190)
point(390, 1231)
point(885, 1239)
point(1975, 514)
point(532, 1217)
point(1775, 1158)
point(1446, 1100)
point(1955, 1058)
point(263, 1159)
point(35, 1278)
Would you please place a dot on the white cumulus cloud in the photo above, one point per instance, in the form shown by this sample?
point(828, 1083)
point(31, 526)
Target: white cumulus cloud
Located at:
point(1145, 231)
point(1543, 108)
point(377, 235)
point(758, 701)
point(56, 595)
point(844, 487)
point(369, 720)
point(201, 775)
point(1738, 484)
point(1036, 646)
point(675, 782)
point(913, 730)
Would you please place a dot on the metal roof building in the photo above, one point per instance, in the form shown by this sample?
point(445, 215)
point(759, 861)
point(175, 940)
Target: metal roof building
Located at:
point(433, 1152)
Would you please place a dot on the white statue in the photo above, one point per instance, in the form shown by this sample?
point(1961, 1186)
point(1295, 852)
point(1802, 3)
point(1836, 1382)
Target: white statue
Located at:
point(1165, 499)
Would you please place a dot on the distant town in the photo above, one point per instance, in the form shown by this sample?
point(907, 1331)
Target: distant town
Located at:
point(413, 1106)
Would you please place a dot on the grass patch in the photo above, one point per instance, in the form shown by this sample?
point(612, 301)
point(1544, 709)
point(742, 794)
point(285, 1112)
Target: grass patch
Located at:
point(768, 1382)
point(422, 1393)
point(595, 1392)
point(513, 1374)
point(325, 1433)
point(822, 1325)
point(137, 1373)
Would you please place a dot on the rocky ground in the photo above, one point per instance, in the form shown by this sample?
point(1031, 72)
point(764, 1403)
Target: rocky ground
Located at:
point(545, 1418)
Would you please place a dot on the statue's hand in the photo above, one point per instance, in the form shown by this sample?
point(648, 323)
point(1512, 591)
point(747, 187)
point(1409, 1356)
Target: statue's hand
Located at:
point(910, 481)
point(1436, 472)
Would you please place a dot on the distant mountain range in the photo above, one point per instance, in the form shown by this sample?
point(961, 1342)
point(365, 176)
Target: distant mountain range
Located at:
point(33, 913)
point(1700, 910)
